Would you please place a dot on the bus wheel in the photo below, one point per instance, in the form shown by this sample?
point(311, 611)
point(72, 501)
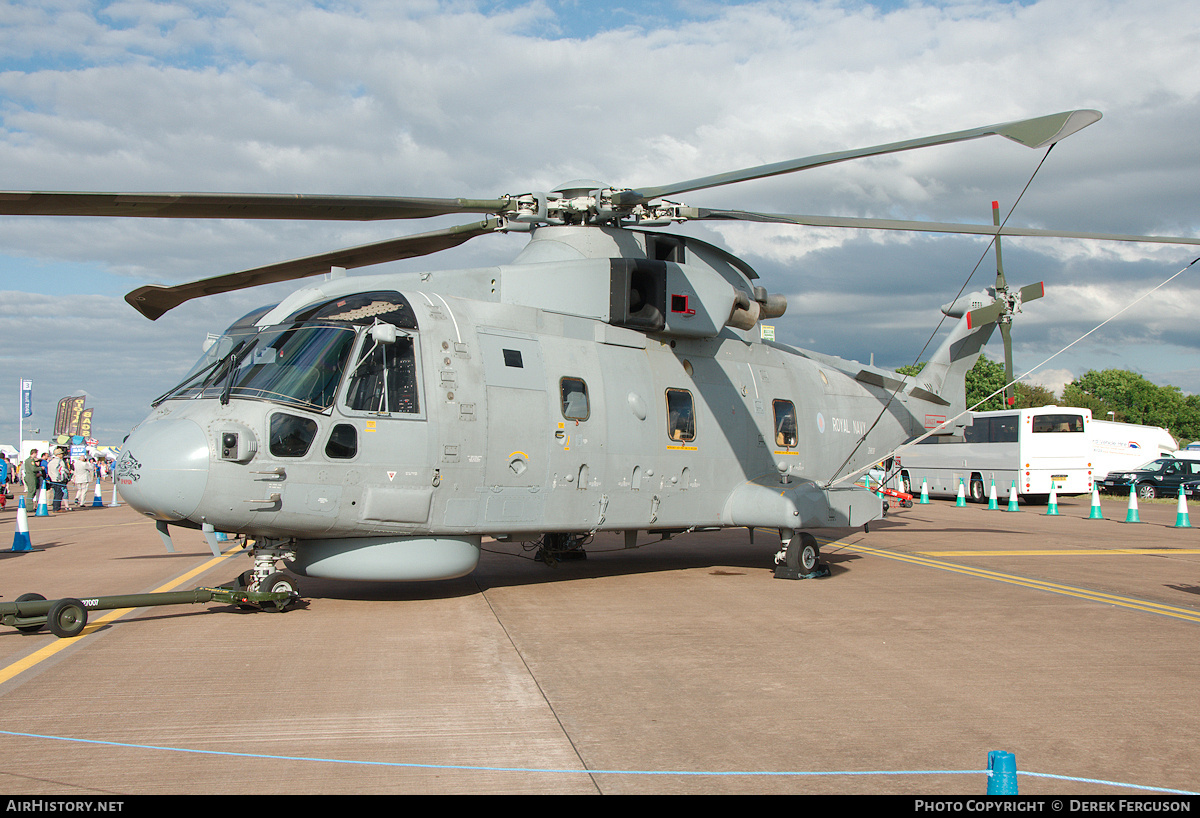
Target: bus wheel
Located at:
point(977, 495)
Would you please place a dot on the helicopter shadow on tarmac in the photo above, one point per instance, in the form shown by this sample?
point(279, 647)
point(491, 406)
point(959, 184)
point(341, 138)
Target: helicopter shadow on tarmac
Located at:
point(505, 565)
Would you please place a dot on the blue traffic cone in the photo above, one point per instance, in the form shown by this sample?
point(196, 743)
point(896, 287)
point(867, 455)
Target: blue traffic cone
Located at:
point(97, 500)
point(1052, 506)
point(21, 540)
point(925, 492)
point(42, 511)
point(1002, 773)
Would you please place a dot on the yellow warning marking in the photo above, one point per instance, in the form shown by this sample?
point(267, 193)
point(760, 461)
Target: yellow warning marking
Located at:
point(38, 656)
point(1089, 552)
point(1051, 587)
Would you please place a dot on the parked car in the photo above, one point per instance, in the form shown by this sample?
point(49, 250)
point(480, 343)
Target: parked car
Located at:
point(1158, 478)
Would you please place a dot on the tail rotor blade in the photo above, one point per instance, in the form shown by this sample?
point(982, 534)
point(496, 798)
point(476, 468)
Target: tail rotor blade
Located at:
point(985, 315)
point(1009, 388)
point(1001, 284)
point(1031, 292)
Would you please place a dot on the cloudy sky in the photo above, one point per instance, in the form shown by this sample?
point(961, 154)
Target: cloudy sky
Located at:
point(480, 99)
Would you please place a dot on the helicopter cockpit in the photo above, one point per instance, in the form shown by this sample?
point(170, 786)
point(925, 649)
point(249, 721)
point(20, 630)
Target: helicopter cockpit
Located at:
point(301, 361)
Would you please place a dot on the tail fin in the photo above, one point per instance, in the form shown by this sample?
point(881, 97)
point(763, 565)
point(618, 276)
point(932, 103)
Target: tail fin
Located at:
point(944, 376)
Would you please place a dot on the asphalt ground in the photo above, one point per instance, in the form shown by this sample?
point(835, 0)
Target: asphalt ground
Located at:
point(681, 667)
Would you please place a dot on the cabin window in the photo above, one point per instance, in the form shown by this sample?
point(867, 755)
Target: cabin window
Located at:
point(785, 423)
point(1058, 423)
point(681, 416)
point(343, 442)
point(291, 435)
point(384, 379)
point(574, 399)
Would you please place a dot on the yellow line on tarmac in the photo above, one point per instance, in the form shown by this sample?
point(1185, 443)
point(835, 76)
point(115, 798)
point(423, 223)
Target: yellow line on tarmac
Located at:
point(1088, 552)
point(1051, 587)
point(38, 656)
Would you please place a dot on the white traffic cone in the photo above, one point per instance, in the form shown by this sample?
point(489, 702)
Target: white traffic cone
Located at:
point(1181, 512)
point(1131, 513)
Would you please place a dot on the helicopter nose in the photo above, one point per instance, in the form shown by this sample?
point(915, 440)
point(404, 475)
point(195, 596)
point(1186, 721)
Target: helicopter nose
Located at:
point(163, 469)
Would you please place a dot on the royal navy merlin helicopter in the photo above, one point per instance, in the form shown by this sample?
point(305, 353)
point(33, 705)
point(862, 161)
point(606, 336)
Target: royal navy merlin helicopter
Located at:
point(611, 378)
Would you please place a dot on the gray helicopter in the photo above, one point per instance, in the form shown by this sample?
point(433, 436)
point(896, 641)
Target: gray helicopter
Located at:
point(611, 378)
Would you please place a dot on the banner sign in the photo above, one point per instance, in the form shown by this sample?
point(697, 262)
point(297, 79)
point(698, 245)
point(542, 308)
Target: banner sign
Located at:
point(71, 418)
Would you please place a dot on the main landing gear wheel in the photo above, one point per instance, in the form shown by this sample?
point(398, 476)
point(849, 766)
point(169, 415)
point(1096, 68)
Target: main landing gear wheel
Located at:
point(801, 559)
point(67, 618)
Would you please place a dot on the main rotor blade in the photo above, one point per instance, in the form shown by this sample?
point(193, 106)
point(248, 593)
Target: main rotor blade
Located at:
point(152, 301)
point(238, 206)
point(703, 214)
point(1033, 133)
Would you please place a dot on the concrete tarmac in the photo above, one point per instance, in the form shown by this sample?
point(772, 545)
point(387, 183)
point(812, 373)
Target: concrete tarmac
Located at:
point(681, 667)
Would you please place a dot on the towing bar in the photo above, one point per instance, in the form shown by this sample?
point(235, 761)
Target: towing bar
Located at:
point(68, 617)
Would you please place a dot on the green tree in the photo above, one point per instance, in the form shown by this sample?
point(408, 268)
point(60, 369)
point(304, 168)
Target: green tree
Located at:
point(1030, 395)
point(983, 379)
point(1133, 399)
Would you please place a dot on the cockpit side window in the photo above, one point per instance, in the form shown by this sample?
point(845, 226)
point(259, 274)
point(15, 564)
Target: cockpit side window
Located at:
point(384, 378)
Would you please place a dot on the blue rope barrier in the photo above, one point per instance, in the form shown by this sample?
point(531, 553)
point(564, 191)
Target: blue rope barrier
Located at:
point(553, 770)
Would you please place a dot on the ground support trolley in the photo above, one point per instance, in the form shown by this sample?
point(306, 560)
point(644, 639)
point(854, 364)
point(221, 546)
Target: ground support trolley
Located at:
point(68, 617)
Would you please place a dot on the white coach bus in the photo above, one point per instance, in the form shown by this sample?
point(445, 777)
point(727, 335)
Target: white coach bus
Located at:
point(1050, 446)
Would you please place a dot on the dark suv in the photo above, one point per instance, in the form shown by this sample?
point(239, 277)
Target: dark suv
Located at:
point(1158, 478)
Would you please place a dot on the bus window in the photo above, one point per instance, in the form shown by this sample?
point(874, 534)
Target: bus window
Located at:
point(1005, 429)
point(681, 420)
point(574, 399)
point(785, 423)
point(1058, 423)
point(979, 431)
